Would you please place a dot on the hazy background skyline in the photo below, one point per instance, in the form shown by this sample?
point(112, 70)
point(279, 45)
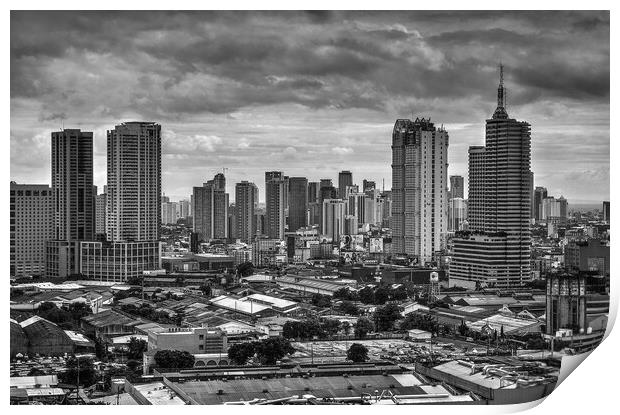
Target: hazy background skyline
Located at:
point(311, 93)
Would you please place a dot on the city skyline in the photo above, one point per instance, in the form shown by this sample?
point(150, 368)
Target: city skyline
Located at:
point(316, 120)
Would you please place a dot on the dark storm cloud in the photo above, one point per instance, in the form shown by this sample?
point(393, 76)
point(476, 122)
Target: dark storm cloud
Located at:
point(207, 73)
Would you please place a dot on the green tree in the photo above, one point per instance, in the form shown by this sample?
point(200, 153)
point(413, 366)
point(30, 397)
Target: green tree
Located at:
point(367, 295)
point(79, 310)
point(88, 376)
point(419, 321)
point(382, 294)
point(329, 326)
point(357, 353)
point(174, 359)
point(245, 269)
point(346, 327)
point(137, 347)
point(323, 301)
point(100, 349)
point(350, 308)
point(386, 316)
point(271, 350)
point(240, 353)
point(363, 326)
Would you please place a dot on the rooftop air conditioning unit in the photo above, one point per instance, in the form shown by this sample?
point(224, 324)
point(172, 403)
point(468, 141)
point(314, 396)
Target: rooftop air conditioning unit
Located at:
point(220, 391)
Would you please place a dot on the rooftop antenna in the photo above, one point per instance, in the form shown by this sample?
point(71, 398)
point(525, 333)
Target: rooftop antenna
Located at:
point(501, 91)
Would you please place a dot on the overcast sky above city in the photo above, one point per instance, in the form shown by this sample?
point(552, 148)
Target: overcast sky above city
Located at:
point(311, 93)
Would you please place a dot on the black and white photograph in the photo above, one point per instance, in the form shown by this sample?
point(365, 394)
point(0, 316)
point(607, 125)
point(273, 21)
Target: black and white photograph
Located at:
point(322, 207)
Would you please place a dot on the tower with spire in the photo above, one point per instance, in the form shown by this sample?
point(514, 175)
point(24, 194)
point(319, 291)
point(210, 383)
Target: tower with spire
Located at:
point(496, 250)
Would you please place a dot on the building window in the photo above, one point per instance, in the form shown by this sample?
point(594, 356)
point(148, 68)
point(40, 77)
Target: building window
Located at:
point(201, 337)
point(201, 347)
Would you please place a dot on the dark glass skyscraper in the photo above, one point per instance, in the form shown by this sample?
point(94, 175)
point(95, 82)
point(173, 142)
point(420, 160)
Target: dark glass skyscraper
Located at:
point(298, 203)
point(72, 185)
point(497, 251)
point(345, 178)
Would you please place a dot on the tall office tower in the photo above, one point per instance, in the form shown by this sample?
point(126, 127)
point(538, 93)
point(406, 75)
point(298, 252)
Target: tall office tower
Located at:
point(540, 193)
point(457, 213)
point(456, 187)
point(274, 202)
point(368, 184)
point(211, 210)
point(219, 182)
point(325, 183)
point(333, 219)
point(606, 211)
point(184, 212)
point(32, 225)
point(72, 184)
point(531, 195)
point(419, 188)
point(101, 209)
point(286, 194)
point(169, 213)
point(298, 203)
point(370, 210)
point(314, 213)
point(345, 178)
point(134, 182)
point(497, 250)
point(232, 222)
point(356, 206)
point(313, 192)
point(245, 205)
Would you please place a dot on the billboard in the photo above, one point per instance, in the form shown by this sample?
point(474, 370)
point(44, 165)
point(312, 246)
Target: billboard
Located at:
point(376, 245)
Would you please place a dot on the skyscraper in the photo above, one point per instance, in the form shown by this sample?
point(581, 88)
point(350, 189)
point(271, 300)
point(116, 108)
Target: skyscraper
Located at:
point(606, 212)
point(457, 213)
point(368, 184)
point(31, 227)
point(101, 210)
point(72, 184)
point(275, 204)
point(497, 250)
point(211, 209)
point(345, 178)
point(456, 187)
point(540, 193)
point(419, 188)
point(313, 192)
point(245, 214)
point(333, 221)
point(298, 203)
point(134, 182)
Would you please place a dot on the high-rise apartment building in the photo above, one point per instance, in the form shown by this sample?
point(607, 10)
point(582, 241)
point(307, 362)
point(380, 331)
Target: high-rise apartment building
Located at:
point(333, 221)
point(457, 213)
point(169, 213)
point(101, 212)
point(496, 251)
point(245, 213)
point(72, 184)
point(211, 209)
point(32, 223)
point(134, 182)
point(419, 188)
point(275, 189)
point(298, 203)
point(554, 210)
point(345, 178)
point(457, 185)
point(184, 209)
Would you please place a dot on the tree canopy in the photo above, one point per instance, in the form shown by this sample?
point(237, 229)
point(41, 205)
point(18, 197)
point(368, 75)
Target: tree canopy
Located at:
point(357, 353)
point(174, 359)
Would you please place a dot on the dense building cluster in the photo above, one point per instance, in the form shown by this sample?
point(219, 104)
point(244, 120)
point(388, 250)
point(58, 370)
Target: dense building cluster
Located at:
point(315, 292)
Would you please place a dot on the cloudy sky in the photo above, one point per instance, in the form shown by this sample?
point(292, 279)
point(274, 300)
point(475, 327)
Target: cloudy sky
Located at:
point(311, 93)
